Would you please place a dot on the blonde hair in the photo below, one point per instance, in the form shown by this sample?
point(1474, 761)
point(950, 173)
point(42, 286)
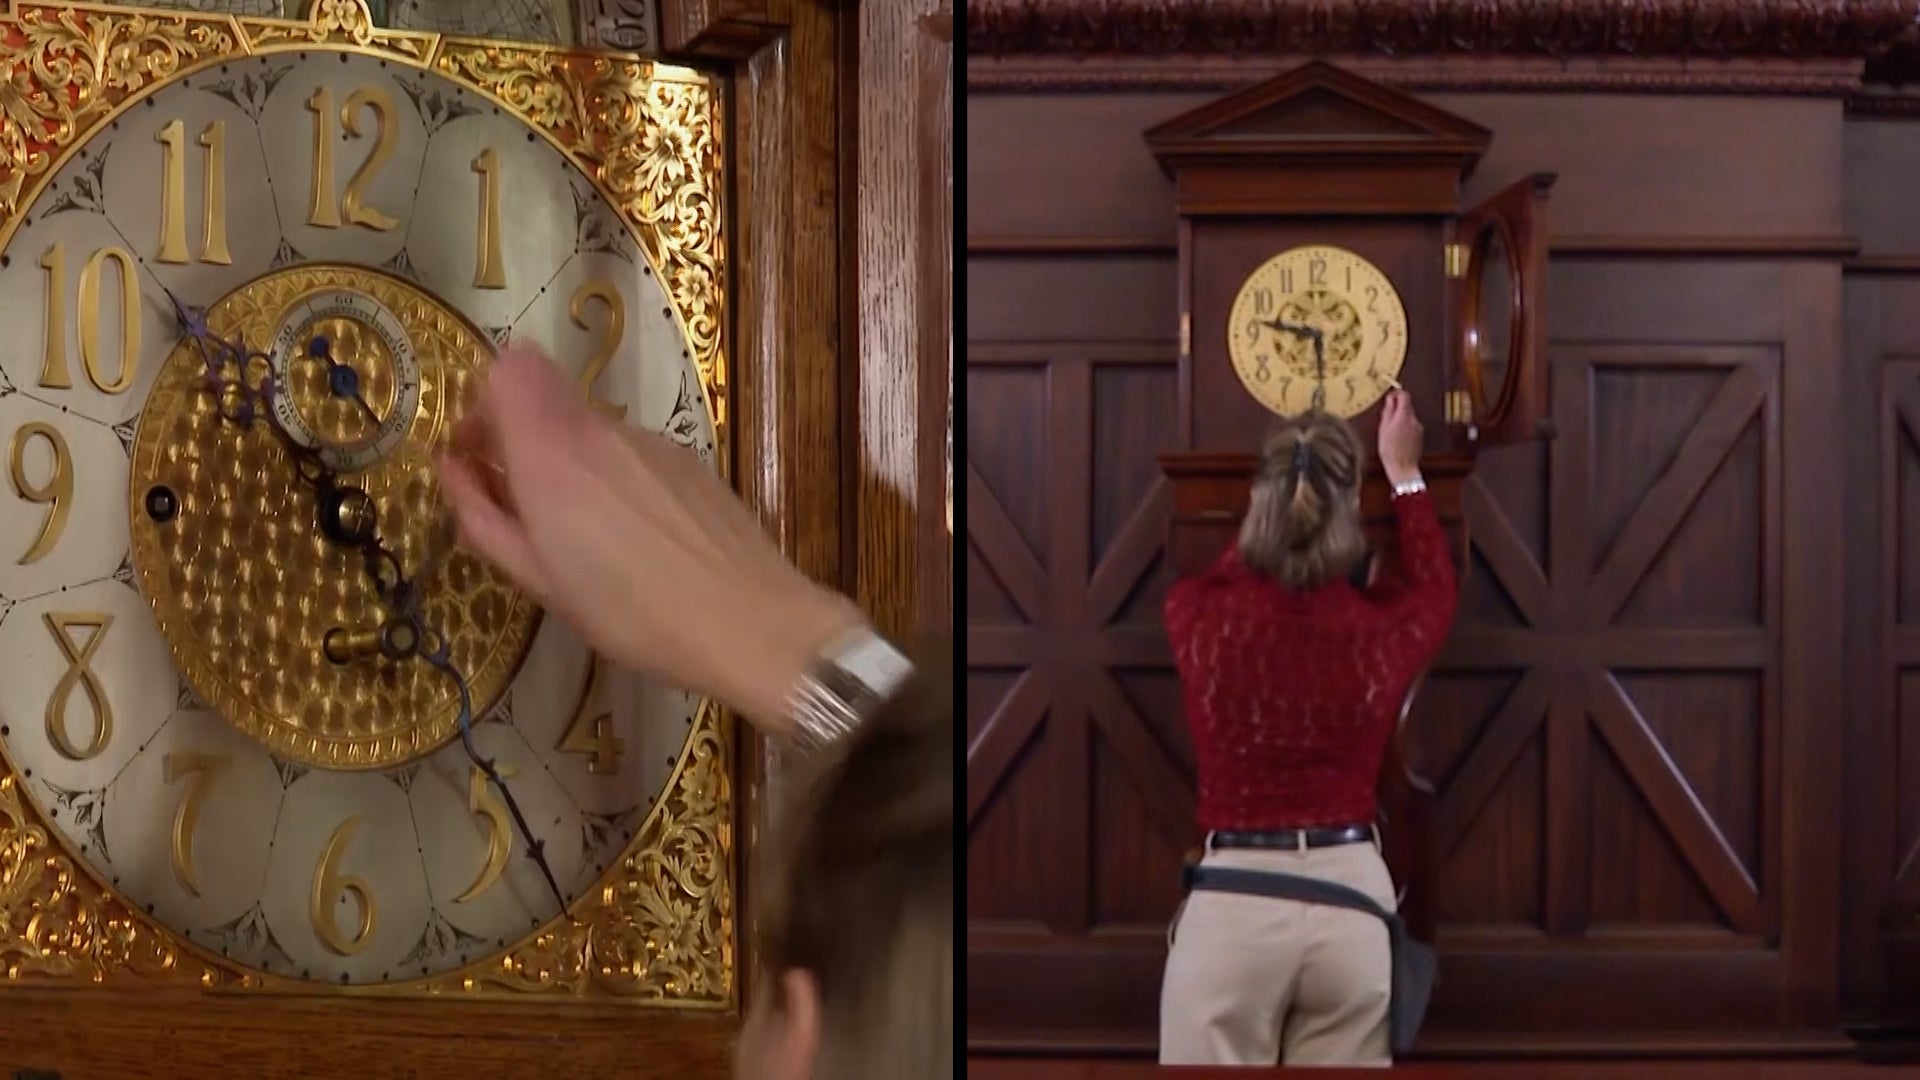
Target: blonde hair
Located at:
point(863, 889)
point(1303, 524)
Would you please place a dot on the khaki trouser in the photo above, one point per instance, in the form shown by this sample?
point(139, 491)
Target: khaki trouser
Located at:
point(1252, 980)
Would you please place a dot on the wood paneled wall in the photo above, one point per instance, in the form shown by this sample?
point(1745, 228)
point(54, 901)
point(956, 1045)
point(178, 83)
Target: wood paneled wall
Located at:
point(1673, 732)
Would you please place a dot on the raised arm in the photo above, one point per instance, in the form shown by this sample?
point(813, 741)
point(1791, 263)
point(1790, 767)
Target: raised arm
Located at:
point(1422, 595)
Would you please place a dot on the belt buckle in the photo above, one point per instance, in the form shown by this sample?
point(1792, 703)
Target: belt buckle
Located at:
point(1300, 840)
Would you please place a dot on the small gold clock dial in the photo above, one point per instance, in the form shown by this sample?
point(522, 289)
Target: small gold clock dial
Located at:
point(1317, 327)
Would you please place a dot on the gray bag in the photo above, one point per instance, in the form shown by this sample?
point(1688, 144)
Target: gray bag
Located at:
point(1415, 966)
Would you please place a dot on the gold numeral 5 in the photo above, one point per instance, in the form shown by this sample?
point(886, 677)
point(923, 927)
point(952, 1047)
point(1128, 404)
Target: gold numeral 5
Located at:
point(322, 212)
point(53, 372)
point(590, 731)
point(201, 768)
point(610, 336)
point(486, 802)
point(79, 674)
point(173, 195)
point(330, 886)
point(56, 494)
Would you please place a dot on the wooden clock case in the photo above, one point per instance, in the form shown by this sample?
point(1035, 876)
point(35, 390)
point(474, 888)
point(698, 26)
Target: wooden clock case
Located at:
point(1322, 156)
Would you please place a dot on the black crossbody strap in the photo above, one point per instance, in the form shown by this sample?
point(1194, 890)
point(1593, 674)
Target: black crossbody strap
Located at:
point(1289, 887)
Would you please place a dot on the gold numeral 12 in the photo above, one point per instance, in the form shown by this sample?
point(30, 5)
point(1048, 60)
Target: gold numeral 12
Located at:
point(53, 371)
point(173, 195)
point(322, 213)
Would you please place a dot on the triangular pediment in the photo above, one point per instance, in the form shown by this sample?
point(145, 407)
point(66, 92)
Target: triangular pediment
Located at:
point(1317, 108)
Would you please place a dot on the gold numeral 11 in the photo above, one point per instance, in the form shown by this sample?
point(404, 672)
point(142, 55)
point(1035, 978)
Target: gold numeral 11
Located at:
point(173, 196)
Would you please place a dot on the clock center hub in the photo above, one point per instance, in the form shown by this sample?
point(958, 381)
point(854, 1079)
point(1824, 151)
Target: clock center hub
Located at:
point(257, 577)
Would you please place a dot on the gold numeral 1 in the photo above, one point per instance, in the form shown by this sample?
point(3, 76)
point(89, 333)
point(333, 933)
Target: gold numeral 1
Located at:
point(610, 336)
point(56, 494)
point(202, 768)
point(484, 801)
point(173, 196)
point(330, 887)
point(590, 731)
point(489, 273)
point(53, 371)
point(322, 212)
point(79, 673)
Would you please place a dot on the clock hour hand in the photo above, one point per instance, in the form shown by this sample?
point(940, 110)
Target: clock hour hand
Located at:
point(1296, 329)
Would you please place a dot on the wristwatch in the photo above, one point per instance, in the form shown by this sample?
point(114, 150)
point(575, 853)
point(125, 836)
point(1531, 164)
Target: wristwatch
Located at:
point(855, 672)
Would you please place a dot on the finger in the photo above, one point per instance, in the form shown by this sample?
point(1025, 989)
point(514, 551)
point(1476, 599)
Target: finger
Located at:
point(487, 528)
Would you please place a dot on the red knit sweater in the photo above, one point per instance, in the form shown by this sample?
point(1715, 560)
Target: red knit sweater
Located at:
point(1292, 695)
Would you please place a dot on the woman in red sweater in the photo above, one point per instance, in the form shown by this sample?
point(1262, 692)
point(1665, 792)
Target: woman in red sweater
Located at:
point(1293, 679)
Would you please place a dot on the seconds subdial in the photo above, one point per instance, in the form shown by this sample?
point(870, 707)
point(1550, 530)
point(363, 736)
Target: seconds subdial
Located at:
point(351, 378)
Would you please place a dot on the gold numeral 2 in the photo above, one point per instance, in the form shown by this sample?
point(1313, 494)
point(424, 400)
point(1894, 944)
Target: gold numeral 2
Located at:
point(330, 886)
point(56, 494)
point(173, 195)
point(590, 731)
point(79, 673)
point(322, 213)
point(489, 273)
point(610, 336)
point(53, 372)
point(202, 768)
point(484, 801)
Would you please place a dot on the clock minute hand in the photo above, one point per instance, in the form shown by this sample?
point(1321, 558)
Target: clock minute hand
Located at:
point(1296, 329)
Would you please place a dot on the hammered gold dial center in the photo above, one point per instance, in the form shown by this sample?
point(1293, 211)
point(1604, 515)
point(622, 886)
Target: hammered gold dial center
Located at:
point(244, 584)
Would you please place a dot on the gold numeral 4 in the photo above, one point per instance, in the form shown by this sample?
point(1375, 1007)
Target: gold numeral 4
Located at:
point(590, 732)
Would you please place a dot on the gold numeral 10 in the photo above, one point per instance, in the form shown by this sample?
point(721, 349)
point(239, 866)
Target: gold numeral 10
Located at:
point(173, 195)
point(56, 494)
point(610, 336)
point(53, 371)
point(489, 273)
point(79, 674)
point(330, 887)
point(322, 212)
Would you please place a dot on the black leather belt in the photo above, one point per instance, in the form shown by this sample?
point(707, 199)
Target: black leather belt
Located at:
point(1295, 839)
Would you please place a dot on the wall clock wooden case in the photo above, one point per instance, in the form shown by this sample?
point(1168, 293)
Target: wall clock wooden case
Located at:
point(1325, 257)
point(231, 761)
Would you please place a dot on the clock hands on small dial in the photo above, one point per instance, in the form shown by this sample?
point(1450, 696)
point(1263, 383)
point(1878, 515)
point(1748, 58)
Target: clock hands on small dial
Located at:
point(1319, 354)
point(349, 517)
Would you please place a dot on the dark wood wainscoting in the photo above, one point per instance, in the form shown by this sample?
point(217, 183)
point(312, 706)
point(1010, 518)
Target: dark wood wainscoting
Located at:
point(1673, 734)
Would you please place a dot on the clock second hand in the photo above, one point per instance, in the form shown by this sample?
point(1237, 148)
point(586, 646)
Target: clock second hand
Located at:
point(401, 594)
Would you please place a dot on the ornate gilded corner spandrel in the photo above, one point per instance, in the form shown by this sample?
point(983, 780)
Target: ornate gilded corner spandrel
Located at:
point(339, 22)
point(56, 923)
point(65, 67)
point(650, 136)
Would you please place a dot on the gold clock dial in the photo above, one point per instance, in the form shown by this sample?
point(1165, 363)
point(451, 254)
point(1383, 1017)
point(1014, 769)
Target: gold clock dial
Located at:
point(1317, 327)
point(167, 700)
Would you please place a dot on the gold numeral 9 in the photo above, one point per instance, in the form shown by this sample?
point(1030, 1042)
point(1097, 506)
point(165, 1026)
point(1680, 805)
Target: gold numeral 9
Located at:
point(330, 887)
point(53, 371)
point(590, 731)
point(56, 494)
point(489, 273)
point(610, 336)
point(173, 195)
point(80, 674)
point(322, 213)
point(201, 768)
point(485, 802)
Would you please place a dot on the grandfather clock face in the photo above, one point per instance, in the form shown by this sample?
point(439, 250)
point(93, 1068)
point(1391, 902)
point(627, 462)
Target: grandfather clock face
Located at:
point(242, 320)
point(1317, 327)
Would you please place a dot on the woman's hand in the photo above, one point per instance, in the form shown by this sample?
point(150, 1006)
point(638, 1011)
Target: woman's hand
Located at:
point(632, 541)
point(1401, 437)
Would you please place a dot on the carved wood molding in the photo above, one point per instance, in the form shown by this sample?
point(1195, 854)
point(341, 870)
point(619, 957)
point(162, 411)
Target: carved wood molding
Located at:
point(1554, 28)
point(720, 29)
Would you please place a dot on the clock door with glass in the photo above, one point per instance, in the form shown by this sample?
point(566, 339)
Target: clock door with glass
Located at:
point(286, 730)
